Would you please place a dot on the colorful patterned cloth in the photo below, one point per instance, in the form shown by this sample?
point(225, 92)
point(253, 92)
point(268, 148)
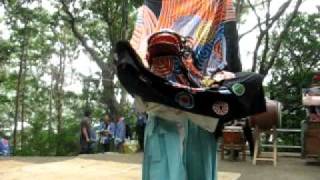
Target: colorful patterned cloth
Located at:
point(211, 24)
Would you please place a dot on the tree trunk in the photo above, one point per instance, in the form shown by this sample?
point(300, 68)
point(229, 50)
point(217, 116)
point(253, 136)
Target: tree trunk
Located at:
point(23, 111)
point(108, 93)
point(60, 96)
point(102, 60)
point(20, 83)
point(50, 130)
point(17, 106)
point(124, 96)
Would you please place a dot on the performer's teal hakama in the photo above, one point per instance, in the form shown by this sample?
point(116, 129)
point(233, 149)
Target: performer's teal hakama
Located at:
point(178, 150)
point(181, 145)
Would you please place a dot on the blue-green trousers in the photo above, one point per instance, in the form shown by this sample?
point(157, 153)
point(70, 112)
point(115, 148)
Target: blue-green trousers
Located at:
point(178, 151)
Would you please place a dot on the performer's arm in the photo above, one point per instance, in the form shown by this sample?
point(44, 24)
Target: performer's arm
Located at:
point(232, 39)
point(232, 43)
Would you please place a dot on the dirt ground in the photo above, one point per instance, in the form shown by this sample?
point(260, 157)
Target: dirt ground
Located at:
point(288, 168)
point(128, 167)
point(84, 167)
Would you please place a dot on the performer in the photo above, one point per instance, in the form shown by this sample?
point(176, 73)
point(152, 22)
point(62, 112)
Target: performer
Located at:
point(180, 149)
point(178, 91)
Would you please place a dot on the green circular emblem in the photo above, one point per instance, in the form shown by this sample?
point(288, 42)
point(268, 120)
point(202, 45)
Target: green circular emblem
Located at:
point(238, 89)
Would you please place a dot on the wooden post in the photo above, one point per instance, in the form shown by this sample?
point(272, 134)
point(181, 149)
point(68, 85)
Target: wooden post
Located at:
point(275, 150)
point(256, 156)
point(256, 145)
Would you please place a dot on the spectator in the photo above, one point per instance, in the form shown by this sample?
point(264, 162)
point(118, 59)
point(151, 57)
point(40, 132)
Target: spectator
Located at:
point(4, 147)
point(112, 130)
point(102, 131)
point(4, 143)
point(85, 134)
point(140, 127)
point(120, 134)
point(107, 128)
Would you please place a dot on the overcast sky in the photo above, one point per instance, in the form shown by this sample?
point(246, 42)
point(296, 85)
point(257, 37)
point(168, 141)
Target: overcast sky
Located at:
point(247, 43)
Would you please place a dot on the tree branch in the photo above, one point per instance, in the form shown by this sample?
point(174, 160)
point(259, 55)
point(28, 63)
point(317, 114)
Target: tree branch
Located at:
point(255, 13)
point(266, 42)
point(265, 32)
point(72, 21)
point(273, 19)
point(283, 33)
point(255, 53)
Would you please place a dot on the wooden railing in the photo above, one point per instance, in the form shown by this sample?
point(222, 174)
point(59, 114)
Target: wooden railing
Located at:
point(296, 147)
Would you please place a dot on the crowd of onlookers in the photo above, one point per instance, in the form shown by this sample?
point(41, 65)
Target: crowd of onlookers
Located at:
point(110, 134)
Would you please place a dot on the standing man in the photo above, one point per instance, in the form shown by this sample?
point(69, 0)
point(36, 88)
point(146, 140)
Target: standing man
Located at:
point(120, 134)
point(111, 133)
point(106, 133)
point(85, 133)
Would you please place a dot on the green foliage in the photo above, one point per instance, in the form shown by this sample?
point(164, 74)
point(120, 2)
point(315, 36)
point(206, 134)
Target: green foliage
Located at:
point(5, 51)
point(130, 116)
point(297, 60)
point(69, 139)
